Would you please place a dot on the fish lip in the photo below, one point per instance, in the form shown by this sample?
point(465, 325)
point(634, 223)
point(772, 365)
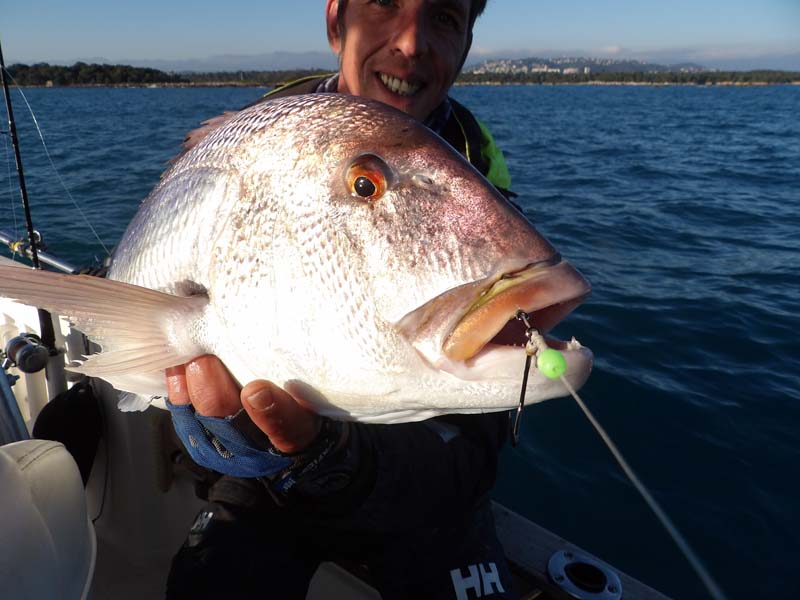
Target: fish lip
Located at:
point(505, 363)
point(459, 324)
point(472, 367)
point(547, 291)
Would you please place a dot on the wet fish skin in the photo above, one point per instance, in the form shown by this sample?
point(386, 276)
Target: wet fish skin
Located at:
point(297, 279)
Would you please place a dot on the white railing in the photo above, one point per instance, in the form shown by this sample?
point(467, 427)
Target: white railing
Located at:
point(33, 390)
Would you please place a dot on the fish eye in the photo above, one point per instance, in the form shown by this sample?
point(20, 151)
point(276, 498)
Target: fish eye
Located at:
point(366, 177)
point(364, 187)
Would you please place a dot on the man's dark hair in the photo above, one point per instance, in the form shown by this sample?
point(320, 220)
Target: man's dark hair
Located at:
point(476, 8)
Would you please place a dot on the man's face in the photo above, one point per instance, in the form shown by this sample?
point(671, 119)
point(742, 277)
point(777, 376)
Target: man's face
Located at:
point(405, 53)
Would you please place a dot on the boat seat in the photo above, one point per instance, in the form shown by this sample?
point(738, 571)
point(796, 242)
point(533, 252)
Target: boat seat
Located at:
point(47, 541)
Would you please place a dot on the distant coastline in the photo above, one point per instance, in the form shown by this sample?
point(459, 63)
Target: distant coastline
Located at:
point(96, 75)
point(234, 83)
point(795, 81)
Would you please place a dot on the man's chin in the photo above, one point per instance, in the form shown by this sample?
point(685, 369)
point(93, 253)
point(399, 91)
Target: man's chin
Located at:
point(415, 105)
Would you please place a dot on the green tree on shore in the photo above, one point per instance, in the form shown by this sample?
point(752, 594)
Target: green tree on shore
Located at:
point(82, 73)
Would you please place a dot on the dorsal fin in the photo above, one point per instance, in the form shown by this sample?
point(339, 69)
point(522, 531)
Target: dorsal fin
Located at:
point(195, 136)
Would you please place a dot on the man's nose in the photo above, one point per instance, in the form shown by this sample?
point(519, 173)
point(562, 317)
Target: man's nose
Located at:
point(411, 37)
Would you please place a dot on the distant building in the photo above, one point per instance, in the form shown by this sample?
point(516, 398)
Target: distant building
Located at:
point(574, 66)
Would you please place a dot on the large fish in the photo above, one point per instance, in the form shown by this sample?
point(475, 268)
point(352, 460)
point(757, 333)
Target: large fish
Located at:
point(337, 247)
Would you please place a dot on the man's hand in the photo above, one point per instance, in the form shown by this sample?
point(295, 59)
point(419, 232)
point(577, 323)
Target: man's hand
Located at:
point(209, 387)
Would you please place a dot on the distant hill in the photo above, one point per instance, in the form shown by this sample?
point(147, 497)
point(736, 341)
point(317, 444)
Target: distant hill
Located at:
point(567, 65)
point(324, 59)
point(269, 61)
point(81, 73)
point(521, 71)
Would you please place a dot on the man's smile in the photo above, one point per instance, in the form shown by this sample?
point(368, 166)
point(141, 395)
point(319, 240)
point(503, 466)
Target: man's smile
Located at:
point(398, 86)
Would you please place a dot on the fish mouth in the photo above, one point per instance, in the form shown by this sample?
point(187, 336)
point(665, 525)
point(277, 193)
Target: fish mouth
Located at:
point(472, 331)
point(547, 292)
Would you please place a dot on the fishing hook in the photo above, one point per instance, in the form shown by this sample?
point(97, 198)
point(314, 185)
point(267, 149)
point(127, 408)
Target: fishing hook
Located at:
point(530, 350)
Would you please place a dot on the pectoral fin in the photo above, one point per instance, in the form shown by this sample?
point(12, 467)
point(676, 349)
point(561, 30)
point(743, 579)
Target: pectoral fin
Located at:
point(141, 331)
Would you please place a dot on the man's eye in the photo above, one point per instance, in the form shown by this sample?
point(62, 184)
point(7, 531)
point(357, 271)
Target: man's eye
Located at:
point(448, 20)
point(383, 2)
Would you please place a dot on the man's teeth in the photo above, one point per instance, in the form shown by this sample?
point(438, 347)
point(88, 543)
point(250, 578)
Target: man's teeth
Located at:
point(399, 86)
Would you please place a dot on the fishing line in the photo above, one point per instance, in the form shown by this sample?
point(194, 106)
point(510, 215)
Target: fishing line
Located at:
point(536, 345)
point(680, 541)
point(53, 166)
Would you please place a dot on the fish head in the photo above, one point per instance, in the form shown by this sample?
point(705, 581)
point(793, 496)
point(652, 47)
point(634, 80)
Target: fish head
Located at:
point(421, 268)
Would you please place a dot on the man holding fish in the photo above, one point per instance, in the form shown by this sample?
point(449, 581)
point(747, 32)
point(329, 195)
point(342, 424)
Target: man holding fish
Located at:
point(333, 245)
point(408, 500)
point(427, 529)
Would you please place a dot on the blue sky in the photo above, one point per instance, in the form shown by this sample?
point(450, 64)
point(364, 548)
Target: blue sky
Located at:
point(716, 33)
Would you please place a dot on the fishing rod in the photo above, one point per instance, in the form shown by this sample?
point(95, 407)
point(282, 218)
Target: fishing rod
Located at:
point(45, 319)
point(23, 190)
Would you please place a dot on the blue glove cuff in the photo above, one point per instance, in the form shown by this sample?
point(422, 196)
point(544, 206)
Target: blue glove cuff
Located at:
point(216, 443)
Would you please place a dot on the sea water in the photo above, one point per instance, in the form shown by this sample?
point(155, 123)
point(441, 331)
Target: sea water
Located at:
point(681, 205)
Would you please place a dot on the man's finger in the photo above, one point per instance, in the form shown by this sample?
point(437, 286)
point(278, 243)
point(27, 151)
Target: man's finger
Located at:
point(177, 392)
point(290, 426)
point(212, 389)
